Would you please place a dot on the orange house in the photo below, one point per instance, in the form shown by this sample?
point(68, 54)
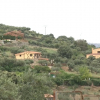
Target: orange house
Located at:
point(95, 53)
point(28, 55)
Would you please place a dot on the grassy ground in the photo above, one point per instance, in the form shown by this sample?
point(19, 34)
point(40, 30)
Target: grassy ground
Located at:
point(49, 50)
point(93, 74)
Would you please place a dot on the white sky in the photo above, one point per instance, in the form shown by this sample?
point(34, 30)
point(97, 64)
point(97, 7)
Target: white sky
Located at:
point(77, 18)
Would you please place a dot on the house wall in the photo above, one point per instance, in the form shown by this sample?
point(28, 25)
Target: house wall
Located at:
point(28, 55)
point(87, 56)
point(95, 50)
point(21, 56)
point(96, 56)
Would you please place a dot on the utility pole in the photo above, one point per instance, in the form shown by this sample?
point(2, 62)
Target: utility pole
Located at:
point(80, 35)
point(45, 29)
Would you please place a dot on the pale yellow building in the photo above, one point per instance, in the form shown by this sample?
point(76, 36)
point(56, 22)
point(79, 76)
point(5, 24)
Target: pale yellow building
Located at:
point(28, 55)
point(95, 53)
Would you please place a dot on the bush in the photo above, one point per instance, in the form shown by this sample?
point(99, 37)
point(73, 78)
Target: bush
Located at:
point(9, 89)
point(43, 62)
point(19, 63)
point(95, 81)
point(29, 61)
point(11, 64)
point(40, 69)
point(55, 68)
point(58, 65)
point(58, 80)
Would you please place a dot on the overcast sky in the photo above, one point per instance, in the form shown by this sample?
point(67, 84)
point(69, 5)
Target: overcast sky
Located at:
point(77, 18)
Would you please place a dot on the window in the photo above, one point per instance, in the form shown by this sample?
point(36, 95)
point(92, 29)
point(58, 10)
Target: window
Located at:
point(30, 54)
point(98, 51)
point(20, 55)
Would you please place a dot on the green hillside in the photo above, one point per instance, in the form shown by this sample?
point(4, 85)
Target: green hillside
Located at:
point(61, 51)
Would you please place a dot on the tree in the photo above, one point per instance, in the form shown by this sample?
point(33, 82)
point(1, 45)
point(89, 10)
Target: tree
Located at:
point(84, 72)
point(8, 89)
point(95, 63)
point(71, 64)
point(91, 58)
point(40, 69)
point(62, 38)
point(64, 60)
point(43, 62)
point(58, 65)
point(76, 68)
point(71, 39)
point(65, 51)
point(34, 86)
point(77, 61)
point(82, 44)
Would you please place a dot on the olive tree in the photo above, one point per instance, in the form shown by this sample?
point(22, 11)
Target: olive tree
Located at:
point(33, 86)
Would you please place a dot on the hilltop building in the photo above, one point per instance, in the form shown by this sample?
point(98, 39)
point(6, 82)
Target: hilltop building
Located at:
point(95, 53)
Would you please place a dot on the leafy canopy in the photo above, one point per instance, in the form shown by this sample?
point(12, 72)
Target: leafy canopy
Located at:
point(84, 72)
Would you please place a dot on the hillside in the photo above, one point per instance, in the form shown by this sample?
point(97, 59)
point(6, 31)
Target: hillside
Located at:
point(62, 52)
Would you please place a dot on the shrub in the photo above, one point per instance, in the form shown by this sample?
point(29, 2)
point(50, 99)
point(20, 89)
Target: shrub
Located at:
point(29, 61)
point(40, 69)
point(96, 82)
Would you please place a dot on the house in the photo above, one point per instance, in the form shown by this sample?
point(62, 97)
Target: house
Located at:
point(49, 97)
point(95, 53)
point(28, 55)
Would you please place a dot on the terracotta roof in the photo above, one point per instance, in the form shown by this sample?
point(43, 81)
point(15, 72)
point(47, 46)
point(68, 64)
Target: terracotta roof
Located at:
point(33, 52)
point(94, 54)
point(48, 95)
